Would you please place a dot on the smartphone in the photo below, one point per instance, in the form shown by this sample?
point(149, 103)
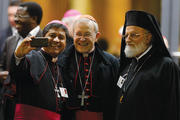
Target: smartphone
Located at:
point(39, 42)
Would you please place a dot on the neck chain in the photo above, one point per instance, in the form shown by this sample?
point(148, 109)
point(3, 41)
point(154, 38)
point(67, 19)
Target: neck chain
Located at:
point(55, 83)
point(83, 88)
point(131, 80)
point(58, 73)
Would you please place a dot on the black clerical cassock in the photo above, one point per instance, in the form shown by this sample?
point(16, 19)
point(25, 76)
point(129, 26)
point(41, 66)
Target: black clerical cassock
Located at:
point(90, 82)
point(152, 92)
point(38, 82)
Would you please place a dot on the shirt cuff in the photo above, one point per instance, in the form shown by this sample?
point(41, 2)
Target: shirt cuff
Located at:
point(17, 59)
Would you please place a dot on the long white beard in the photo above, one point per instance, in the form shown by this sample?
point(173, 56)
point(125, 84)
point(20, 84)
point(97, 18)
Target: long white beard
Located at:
point(133, 51)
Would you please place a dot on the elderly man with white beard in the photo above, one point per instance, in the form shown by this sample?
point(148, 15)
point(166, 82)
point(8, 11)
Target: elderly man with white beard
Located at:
point(148, 86)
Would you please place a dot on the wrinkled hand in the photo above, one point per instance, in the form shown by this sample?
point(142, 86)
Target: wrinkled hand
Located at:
point(24, 48)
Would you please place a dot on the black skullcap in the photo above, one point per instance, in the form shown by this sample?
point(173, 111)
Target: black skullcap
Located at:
point(140, 19)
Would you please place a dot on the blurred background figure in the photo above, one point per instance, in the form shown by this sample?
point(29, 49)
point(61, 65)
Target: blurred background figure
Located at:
point(27, 18)
point(4, 34)
point(69, 17)
point(10, 30)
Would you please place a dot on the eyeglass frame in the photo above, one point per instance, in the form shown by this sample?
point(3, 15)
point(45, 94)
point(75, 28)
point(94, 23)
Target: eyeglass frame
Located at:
point(84, 36)
point(21, 16)
point(136, 35)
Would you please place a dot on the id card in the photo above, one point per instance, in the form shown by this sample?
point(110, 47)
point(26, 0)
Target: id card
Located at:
point(120, 82)
point(63, 92)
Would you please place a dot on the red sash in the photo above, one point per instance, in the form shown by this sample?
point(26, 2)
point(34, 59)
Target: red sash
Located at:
point(28, 112)
point(86, 115)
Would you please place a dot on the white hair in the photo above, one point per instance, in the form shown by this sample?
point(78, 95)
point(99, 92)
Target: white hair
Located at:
point(78, 20)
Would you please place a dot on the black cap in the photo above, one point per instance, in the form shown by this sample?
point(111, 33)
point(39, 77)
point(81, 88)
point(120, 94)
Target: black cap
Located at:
point(147, 21)
point(139, 18)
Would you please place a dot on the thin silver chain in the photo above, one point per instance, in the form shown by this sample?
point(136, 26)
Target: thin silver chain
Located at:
point(137, 70)
point(79, 71)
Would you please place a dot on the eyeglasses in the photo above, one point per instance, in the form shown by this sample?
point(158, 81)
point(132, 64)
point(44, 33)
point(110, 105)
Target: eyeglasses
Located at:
point(86, 35)
point(133, 35)
point(22, 16)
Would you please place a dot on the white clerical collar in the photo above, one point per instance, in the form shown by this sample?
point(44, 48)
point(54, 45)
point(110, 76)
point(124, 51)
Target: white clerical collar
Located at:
point(34, 31)
point(87, 54)
point(14, 31)
point(144, 53)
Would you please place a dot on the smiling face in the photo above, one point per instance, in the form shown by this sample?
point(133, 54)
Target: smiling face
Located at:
point(57, 41)
point(24, 22)
point(84, 36)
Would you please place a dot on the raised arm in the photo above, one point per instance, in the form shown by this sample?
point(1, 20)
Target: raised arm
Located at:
point(24, 47)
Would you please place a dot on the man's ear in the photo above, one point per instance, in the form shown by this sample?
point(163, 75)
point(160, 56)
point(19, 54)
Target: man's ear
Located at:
point(98, 34)
point(149, 38)
point(35, 19)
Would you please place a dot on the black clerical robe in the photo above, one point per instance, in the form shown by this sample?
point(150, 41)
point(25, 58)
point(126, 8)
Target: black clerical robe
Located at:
point(35, 81)
point(99, 91)
point(151, 91)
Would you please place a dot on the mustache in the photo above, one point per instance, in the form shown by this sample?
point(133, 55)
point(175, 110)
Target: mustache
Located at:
point(131, 43)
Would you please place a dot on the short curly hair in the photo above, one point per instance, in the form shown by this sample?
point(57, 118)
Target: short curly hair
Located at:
point(33, 9)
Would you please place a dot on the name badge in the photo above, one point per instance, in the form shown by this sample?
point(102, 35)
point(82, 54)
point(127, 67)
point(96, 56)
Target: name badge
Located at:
point(120, 82)
point(63, 92)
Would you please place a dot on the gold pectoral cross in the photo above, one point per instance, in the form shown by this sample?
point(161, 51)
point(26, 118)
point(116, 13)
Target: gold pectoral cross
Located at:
point(121, 99)
point(82, 98)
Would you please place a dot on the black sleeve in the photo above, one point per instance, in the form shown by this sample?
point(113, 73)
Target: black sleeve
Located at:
point(18, 70)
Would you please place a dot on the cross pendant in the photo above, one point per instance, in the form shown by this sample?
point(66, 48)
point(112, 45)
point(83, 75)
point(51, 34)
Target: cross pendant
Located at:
point(82, 98)
point(57, 91)
point(121, 99)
